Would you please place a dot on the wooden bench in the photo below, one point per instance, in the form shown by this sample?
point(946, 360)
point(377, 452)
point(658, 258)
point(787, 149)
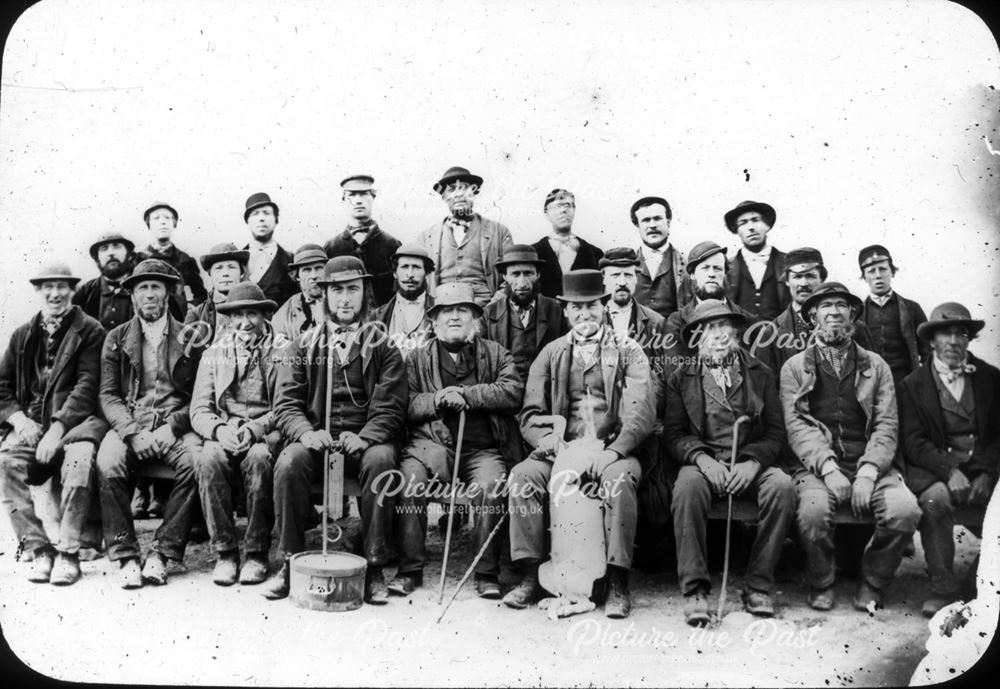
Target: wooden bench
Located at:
point(746, 512)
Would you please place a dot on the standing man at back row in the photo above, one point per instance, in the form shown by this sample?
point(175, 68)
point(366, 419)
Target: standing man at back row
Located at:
point(268, 265)
point(161, 220)
point(756, 273)
point(464, 246)
point(662, 283)
point(562, 251)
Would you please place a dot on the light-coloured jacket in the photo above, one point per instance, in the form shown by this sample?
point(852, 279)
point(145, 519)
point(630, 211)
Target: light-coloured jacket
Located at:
point(495, 239)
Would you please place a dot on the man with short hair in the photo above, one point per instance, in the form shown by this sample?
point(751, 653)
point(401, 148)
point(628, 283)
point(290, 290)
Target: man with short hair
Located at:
point(626, 316)
point(840, 412)
point(48, 401)
point(268, 262)
point(404, 316)
point(307, 308)
point(562, 251)
point(161, 220)
point(363, 237)
point(464, 246)
point(663, 285)
point(949, 414)
point(755, 274)
point(458, 373)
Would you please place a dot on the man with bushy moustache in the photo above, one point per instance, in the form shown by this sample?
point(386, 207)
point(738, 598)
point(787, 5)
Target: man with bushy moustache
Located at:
point(304, 310)
point(404, 316)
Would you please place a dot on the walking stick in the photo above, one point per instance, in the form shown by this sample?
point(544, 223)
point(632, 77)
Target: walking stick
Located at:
point(475, 561)
point(326, 453)
point(729, 520)
point(451, 503)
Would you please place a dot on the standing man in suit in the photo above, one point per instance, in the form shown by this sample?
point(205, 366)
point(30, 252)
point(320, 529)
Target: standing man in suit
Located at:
point(405, 316)
point(755, 273)
point(268, 265)
point(662, 285)
point(562, 251)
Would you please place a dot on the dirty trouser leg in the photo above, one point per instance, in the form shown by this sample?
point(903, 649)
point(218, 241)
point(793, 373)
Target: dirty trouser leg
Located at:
point(619, 483)
point(16, 495)
point(896, 517)
point(115, 479)
point(482, 472)
point(77, 475)
point(775, 511)
point(814, 517)
point(372, 469)
point(422, 462)
point(527, 501)
point(293, 474)
point(937, 533)
point(171, 538)
point(258, 486)
point(689, 506)
point(214, 475)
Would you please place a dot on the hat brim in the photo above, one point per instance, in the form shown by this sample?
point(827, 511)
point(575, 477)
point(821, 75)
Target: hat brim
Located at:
point(445, 181)
point(692, 264)
point(37, 281)
point(308, 262)
point(242, 257)
point(764, 209)
point(738, 320)
point(502, 265)
point(165, 278)
point(925, 330)
point(149, 211)
point(251, 209)
point(583, 299)
point(97, 245)
point(337, 278)
point(432, 311)
point(616, 263)
point(854, 301)
point(266, 305)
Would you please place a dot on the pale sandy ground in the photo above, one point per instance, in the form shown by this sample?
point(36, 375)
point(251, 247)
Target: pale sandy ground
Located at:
point(193, 632)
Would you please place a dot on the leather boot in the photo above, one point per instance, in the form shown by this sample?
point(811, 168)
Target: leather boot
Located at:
point(619, 603)
point(277, 587)
point(527, 592)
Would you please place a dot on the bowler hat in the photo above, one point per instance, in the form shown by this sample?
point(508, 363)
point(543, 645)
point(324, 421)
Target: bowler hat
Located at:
point(246, 295)
point(582, 286)
point(256, 201)
point(830, 289)
point(307, 255)
point(620, 257)
point(948, 314)
point(701, 251)
point(415, 251)
point(457, 174)
point(557, 194)
point(108, 238)
point(343, 269)
point(55, 272)
point(873, 254)
point(357, 183)
point(159, 204)
point(519, 253)
point(152, 269)
point(226, 251)
point(749, 207)
point(454, 294)
point(709, 310)
point(648, 201)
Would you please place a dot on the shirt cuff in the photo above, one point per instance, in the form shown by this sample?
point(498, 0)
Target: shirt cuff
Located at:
point(17, 420)
point(868, 471)
point(829, 466)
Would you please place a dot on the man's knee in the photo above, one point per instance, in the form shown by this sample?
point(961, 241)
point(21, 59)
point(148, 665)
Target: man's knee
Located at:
point(78, 465)
point(936, 499)
point(211, 463)
point(529, 480)
point(902, 513)
point(378, 459)
point(690, 488)
point(112, 457)
point(293, 462)
point(777, 489)
point(814, 513)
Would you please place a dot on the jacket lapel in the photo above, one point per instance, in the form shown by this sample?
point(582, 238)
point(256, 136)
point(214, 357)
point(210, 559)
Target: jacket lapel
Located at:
point(70, 344)
point(225, 373)
point(608, 358)
point(131, 346)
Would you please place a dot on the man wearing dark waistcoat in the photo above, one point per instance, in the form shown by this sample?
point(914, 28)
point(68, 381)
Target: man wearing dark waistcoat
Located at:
point(48, 401)
point(404, 316)
point(663, 284)
point(363, 237)
point(161, 220)
point(524, 321)
point(562, 251)
point(949, 413)
point(226, 266)
point(615, 373)
point(755, 273)
point(459, 372)
point(367, 407)
point(268, 262)
point(307, 308)
point(145, 393)
point(704, 400)
point(840, 413)
point(892, 320)
point(626, 316)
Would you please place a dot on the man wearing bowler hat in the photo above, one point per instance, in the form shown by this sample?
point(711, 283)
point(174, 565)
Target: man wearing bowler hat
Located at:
point(365, 410)
point(755, 274)
point(161, 220)
point(662, 283)
point(459, 372)
point(231, 411)
point(404, 316)
point(48, 424)
point(949, 414)
point(268, 261)
point(226, 266)
point(145, 394)
point(588, 372)
point(839, 403)
point(363, 237)
point(307, 308)
point(464, 246)
point(562, 251)
point(524, 321)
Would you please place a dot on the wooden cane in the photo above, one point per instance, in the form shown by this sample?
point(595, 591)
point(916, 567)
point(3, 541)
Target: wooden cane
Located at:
point(451, 504)
point(729, 521)
point(475, 561)
point(326, 453)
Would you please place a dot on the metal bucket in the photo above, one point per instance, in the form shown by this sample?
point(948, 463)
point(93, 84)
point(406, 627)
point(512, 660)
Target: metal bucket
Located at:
point(334, 582)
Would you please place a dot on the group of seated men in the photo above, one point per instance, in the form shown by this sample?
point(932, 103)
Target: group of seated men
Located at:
point(755, 377)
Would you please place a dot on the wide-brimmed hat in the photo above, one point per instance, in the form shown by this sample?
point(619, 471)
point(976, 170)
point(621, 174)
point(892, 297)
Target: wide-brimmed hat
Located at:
point(414, 251)
point(948, 314)
point(457, 174)
point(159, 204)
point(246, 295)
point(152, 269)
point(108, 238)
point(700, 252)
point(307, 255)
point(582, 286)
point(357, 183)
point(226, 251)
point(55, 272)
point(619, 257)
point(256, 201)
point(519, 253)
point(748, 207)
point(830, 289)
point(455, 294)
point(709, 310)
point(343, 269)
point(873, 254)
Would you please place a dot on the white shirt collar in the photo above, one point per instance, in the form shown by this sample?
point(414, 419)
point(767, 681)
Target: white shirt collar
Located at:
point(881, 301)
point(763, 256)
point(153, 332)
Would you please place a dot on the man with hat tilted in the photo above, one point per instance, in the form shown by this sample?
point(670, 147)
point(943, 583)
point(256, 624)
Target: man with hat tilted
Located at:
point(464, 246)
point(662, 283)
point(226, 266)
point(589, 374)
point(840, 413)
point(145, 394)
point(755, 274)
point(366, 407)
point(562, 251)
point(892, 320)
point(704, 400)
point(458, 372)
point(231, 411)
point(161, 220)
point(363, 237)
point(49, 423)
point(949, 413)
point(404, 316)
point(524, 321)
point(306, 309)
point(268, 261)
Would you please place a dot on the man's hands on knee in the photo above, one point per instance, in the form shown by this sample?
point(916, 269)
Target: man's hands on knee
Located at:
point(549, 445)
point(602, 460)
point(714, 471)
point(450, 398)
point(143, 444)
point(317, 440)
point(861, 495)
point(741, 476)
point(982, 488)
point(49, 444)
point(232, 441)
point(959, 486)
point(352, 443)
point(838, 485)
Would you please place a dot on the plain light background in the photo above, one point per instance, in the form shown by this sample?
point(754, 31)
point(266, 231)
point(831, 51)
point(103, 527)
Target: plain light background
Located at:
point(859, 122)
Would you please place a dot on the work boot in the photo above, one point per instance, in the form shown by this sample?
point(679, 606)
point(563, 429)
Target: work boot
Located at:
point(226, 567)
point(758, 603)
point(155, 569)
point(696, 608)
point(277, 586)
point(405, 583)
point(66, 570)
point(821, 599)
point(527, 592)
point(488, 586)
point(868, 598)
point(129, 575)
point(619, 603)
point(41, 566)
point(254, 570)
point(376, 592)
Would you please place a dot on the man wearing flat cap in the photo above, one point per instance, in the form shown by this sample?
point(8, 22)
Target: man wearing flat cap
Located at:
point(364, 411)
point(663, 284)
point(459, 372)
point(464, 246)
point(231, 411)
point(48, 423)
point(363, 237)
point(307, 308)
point(589, 374)
point(161, 221)
point(626, 316)
point(892, 319)
point(562, 251)
point(949, 413)
point(404, 316)
point(524, 321)
point(226, 266)
point(267, 263)
point(755, 273)
point(145, 394)
point(839, 403)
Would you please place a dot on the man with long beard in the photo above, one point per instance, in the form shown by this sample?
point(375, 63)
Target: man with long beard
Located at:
point(704, 400)
point(839, 403)
point(305, 310)
point(404, 316)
